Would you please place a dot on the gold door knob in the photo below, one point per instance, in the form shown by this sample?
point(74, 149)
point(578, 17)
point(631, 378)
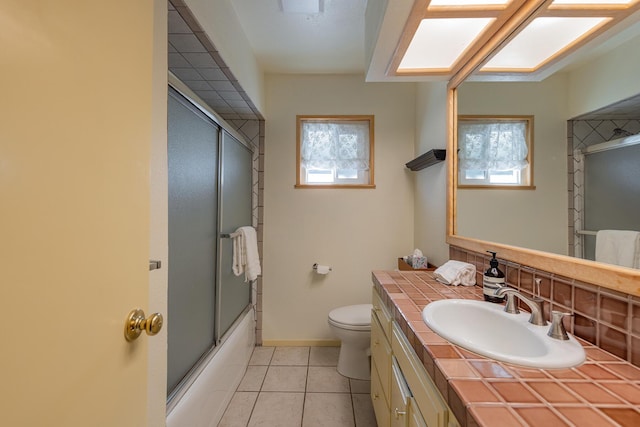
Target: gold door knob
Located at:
point(136, 323)
point(397, 413)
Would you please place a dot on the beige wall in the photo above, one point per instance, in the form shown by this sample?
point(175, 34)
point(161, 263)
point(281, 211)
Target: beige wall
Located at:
point(606, 79)
point(431, 183)
point(354, 231)
point(529, 218)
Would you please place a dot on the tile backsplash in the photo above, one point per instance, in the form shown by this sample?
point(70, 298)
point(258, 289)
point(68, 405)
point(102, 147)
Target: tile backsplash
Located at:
point(604, 317)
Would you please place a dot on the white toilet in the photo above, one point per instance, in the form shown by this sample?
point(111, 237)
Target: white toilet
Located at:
point(352, 325)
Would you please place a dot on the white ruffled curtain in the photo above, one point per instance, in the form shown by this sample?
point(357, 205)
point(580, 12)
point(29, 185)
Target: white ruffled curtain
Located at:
point(335, 145)
point(498, 146)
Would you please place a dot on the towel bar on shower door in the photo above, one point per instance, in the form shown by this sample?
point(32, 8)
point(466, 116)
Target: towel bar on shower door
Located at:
point(228, 235)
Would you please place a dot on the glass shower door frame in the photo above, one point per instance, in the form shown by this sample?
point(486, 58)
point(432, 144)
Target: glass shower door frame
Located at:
point(220, 330)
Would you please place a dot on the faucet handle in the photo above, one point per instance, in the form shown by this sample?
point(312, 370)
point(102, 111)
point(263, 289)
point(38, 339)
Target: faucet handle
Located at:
point(511, 306)
point(557, 329)
point(509, 294)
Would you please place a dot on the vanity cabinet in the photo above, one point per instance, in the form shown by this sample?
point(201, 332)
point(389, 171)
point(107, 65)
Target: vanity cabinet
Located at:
point(402, 392)
point(381, 363)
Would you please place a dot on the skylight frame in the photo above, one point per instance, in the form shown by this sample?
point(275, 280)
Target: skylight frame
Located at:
point(613, 13)
point(423, 10)
point(510, 19)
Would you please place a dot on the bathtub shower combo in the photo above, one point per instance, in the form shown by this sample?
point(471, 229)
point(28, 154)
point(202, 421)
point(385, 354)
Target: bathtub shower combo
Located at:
point(211, 324)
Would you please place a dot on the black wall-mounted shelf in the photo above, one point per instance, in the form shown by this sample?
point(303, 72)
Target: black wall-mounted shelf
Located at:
point(427, 159)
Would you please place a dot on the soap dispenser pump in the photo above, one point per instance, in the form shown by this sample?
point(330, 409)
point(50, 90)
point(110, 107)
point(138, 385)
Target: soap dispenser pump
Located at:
point(492, 280)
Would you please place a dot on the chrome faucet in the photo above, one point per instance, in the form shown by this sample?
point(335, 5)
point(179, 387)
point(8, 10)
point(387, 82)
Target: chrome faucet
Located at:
point(535, 305)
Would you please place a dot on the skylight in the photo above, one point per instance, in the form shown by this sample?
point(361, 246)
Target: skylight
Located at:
point(540, 40)
point(469, 2)
point(591, 2)
point(449, 37)
point(438, 43)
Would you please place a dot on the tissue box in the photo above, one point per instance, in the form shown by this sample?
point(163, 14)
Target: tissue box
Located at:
point(418, 262)
point(403, 266)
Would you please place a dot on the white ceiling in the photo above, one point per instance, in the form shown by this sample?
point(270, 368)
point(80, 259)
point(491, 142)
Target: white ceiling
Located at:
point(331, 41)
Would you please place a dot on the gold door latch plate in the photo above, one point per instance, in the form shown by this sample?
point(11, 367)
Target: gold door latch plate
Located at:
point(136, 323)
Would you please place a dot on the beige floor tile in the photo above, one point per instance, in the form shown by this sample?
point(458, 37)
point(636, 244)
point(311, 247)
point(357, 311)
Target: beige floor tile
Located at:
point(272, 391)
point(326, 379)
point(285, 378)
point(360, 386)
point(239, 410)
point(324, 356)
point(277, 410)
point(253, 378)
point(292, 356)
point(261, 356)
point(363, 410)
point(328, 409)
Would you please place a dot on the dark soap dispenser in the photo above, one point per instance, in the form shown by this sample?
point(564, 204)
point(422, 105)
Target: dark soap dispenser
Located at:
point(492, 280)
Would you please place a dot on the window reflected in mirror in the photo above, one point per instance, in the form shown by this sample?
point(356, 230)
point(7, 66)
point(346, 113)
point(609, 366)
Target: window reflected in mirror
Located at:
point(495, 151)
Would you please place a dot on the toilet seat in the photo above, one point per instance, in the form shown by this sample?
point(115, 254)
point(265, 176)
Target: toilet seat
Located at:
point(352, 317)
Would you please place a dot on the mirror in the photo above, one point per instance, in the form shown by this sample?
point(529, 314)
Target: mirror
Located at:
point(535, 227)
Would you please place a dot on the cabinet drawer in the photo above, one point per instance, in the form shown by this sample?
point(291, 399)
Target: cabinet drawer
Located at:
point(381, 355)
point(400, 396)
point(380, 406)
point(382, 313)
point(415, 417)
point(431, 404)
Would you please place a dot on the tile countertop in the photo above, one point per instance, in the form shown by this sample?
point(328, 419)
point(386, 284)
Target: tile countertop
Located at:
point(602, 392)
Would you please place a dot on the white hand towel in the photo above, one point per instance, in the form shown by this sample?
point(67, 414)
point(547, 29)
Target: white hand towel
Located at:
point(619, 247)
point(456, 273)
point(245, 254)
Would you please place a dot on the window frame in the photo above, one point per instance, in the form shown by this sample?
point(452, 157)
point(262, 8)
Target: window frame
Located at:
point(529, 119)
point(300, 171)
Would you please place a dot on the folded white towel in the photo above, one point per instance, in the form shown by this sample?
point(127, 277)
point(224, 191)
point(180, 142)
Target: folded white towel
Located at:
point(619, 247)
point(456, 273)
point(245, 253)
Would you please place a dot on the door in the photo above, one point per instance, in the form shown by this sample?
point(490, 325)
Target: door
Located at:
point(235, 211)
point(75, 140)
point(192, 149)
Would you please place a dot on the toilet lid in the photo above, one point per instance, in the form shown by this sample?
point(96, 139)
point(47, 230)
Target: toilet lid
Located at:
point(355, 315)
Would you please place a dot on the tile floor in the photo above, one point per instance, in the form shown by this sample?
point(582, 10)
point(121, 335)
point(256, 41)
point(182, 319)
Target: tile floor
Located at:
point(298, 387)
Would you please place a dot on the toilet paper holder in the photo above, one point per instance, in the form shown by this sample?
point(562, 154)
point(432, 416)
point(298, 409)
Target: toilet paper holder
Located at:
point(315, 267)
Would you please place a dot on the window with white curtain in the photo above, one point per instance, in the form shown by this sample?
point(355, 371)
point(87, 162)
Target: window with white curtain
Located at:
point(495, 151)
point(335, 151)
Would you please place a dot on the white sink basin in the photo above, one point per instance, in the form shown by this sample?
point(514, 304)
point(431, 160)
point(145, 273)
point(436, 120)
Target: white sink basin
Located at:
point(484, 328)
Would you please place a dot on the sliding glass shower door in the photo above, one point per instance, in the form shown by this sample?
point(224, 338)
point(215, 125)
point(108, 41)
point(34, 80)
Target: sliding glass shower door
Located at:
point(193, 229)
point(235, 211)
point(611, 192)
point(210, 193)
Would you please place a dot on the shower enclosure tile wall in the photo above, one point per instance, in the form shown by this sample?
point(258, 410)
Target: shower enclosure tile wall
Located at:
point(194, 59)
point(582, 134)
